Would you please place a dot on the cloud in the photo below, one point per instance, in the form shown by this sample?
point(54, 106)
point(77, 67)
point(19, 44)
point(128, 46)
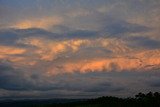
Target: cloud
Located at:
point(82, 34)
point(6, 50)
point(105, 87)
point(44, 22)
point(33, 82)
point(9, 53)
point(54, 48)
point(18, 79)
point(107, 65)
point(155, 83)
point(117, 27)
point(11, 79)
point(144, 42)
point(78, 48)
point(37, 46)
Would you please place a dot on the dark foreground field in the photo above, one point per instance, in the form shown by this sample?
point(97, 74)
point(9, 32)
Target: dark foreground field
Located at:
point(141, 100)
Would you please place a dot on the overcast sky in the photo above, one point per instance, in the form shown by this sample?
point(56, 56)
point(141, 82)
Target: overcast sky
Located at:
point(79, 48)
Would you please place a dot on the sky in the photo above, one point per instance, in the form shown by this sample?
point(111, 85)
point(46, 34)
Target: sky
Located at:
point(79, 48)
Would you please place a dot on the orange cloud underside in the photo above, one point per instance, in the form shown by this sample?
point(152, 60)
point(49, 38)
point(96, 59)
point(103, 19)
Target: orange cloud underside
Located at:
point(7, 50)
point(45, 23)
point(107, 65)
point(122, 57)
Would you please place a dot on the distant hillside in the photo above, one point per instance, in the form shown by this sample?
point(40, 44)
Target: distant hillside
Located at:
point(140, 100)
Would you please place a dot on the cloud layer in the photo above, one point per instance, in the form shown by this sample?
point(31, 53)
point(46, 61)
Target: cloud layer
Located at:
point(78, 48)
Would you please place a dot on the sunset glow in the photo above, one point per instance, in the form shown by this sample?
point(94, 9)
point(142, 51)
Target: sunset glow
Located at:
point(59, 48)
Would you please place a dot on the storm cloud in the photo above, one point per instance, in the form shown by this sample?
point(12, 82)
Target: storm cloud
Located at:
point(77, 49)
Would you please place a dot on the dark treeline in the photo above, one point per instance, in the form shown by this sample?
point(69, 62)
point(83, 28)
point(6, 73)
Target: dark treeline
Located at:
point(140, 100)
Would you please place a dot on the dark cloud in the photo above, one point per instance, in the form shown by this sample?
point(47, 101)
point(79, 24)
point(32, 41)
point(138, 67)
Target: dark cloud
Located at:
point(114, 22)
point(154, 81)
point(144, 42)
point(101, 83)
point(11, 36)
point(35, 32)
point(8, 37)
point(11, 79)
point(82, 34)
point(120, 27)
point(16, 80)
point(20, 80)
point(105, 87)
